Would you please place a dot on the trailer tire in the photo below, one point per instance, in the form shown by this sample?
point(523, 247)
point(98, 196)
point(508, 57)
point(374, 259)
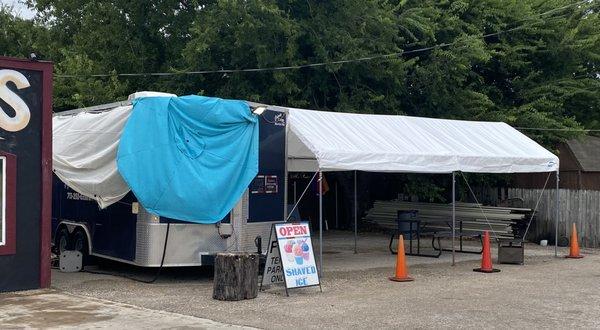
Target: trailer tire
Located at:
point(63, 240)
point(80, 243)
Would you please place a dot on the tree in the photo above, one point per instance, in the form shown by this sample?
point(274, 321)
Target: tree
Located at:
point(529, 76)
point(262, 34)
point(110, 36)
point(530, 63)
point(18, 37)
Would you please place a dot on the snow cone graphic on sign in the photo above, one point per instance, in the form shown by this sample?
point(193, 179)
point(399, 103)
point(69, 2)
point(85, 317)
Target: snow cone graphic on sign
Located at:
point(297, 251)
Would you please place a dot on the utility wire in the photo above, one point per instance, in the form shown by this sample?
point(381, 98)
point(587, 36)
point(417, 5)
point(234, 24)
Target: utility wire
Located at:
point(556, 129)
point(313, 65)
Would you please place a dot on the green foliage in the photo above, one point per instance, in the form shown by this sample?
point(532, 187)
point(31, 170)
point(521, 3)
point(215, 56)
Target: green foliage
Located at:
point(427, 188)
point(542, 72)
point(81, 92)
point(18, 37)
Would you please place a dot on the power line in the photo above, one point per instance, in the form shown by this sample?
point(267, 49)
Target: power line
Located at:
point(556, 129)
point(313, 65)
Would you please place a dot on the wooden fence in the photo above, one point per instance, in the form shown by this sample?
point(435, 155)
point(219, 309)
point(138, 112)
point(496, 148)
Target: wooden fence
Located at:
point(581, 207)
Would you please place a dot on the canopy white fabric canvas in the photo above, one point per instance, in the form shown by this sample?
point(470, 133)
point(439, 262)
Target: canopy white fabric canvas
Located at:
point(85, 150)
point(332, 141)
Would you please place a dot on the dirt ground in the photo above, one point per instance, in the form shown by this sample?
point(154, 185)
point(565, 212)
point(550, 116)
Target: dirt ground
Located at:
point(546, 292)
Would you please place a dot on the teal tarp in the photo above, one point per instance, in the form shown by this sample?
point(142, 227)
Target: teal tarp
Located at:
point(189, 158)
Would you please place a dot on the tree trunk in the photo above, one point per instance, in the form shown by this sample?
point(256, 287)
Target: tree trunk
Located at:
point(236, 276)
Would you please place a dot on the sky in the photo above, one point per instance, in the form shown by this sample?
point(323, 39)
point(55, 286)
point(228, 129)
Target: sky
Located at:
point(19, 8)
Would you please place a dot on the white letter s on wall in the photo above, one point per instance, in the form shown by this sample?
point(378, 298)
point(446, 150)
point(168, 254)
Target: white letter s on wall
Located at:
point(22, 114)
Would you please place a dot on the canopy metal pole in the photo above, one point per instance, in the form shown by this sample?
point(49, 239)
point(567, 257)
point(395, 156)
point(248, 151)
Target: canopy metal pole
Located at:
point(453, 216)
point(557, 214)
point(355, 216)
point(321, 222)
point(295, 194)
point(337, 225)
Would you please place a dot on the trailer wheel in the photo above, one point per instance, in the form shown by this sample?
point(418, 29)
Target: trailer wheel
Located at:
point(63, 240)
point(80, 243)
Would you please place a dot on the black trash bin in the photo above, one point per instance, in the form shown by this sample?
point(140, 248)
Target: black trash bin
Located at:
point(407, 225)
point(407, 221)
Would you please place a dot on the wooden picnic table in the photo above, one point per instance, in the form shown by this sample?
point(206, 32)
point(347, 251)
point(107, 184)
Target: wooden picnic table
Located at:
point(418, 227)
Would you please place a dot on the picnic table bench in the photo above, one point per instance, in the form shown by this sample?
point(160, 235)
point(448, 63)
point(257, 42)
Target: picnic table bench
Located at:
point(409, 224)
point(460, 234)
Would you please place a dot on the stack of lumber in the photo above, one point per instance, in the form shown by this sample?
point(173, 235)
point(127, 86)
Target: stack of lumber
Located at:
point(503, 221)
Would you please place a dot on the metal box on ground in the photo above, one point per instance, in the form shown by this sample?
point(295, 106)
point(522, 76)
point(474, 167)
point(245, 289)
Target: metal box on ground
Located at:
point(70, 261)
point(511, 252)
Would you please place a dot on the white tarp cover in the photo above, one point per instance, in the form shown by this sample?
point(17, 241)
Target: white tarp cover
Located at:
point(333, 141)
point(84, 153)
point(85, 150)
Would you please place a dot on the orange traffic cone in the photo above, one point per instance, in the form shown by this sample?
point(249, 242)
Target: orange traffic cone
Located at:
point(401, 269)
point(574, 246)
point(486, 256)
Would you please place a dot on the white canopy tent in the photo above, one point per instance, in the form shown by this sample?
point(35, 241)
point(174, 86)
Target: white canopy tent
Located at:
point(331, 141)
point(320, 141)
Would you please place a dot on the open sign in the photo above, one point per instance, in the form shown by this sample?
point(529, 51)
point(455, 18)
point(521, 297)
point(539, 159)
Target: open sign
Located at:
point(293, 230)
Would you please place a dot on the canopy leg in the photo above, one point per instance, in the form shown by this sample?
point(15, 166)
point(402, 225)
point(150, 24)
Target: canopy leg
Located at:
point(355, 216)
point(337, 223)
point(321, 222)
point(295, 194)
point(557, 214)
point(453, 217)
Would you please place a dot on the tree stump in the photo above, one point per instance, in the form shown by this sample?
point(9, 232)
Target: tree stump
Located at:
point(236, 276)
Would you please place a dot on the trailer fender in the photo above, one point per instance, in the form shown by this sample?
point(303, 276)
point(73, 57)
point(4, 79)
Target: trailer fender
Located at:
point(71, 226)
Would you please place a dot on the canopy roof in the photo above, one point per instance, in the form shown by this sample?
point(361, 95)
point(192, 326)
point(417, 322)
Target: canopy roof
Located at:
point(333, 141)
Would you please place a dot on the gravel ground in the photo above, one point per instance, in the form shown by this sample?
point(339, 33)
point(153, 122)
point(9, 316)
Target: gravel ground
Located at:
point(547, 292)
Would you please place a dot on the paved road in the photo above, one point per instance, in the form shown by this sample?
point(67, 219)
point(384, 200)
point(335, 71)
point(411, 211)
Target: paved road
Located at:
point(54, 309)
